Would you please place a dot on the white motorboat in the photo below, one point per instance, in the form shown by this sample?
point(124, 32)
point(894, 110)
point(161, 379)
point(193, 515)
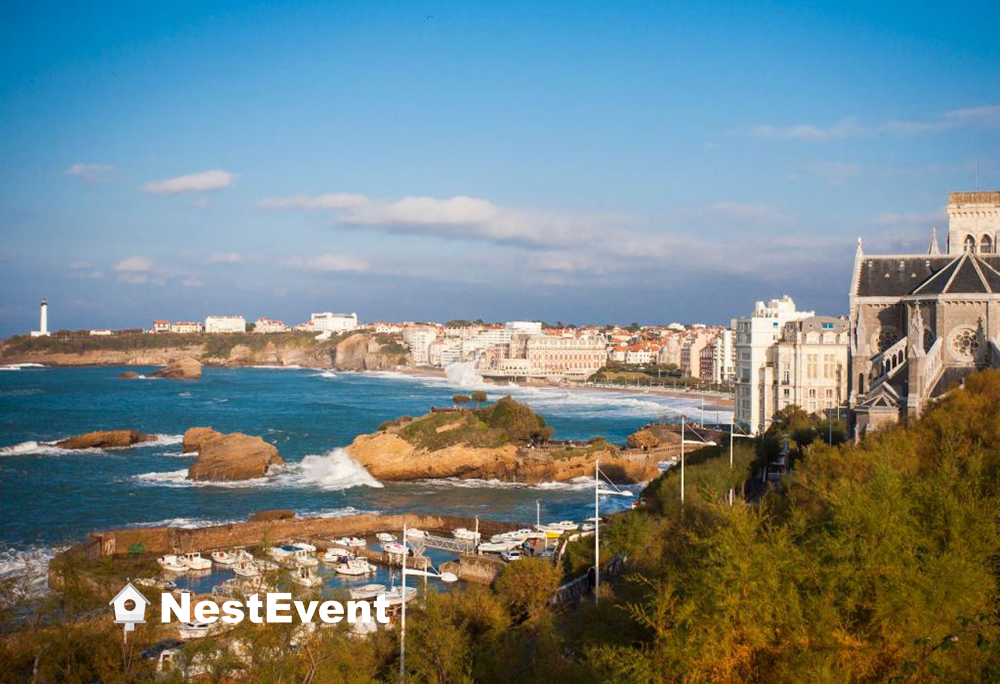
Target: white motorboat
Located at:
point(356, 566)
point(336, 555)
point(308, 548)
point(224, 557)
point(246, 568)
point(369, 591)
point(395, 596)
point(279, 552)
point(415, 533)
point(395, 549)
point(497, 547)
point(170, 563)
point(385, 537)
point(463, 534)
point(306, 577)
point(350, 542)
point(194, 630)
point(604, 491)
point(551, 531)
point(566, 525)
point(194, 561)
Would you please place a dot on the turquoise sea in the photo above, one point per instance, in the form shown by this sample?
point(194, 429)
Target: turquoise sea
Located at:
point(51, 497)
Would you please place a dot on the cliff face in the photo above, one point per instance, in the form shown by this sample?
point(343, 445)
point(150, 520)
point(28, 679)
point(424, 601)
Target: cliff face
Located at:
point(357, 351)
point(387, 456)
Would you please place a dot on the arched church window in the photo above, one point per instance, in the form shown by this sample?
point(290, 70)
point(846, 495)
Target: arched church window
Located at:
point(965, 343)
point(970, 243)
point(929, 339)
point(885, 338)
point(986, 245)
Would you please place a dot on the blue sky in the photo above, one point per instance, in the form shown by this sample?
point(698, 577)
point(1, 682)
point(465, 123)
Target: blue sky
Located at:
point(575, 161)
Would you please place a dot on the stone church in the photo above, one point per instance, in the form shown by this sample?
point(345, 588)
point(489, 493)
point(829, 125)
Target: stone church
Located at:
point(920, 323)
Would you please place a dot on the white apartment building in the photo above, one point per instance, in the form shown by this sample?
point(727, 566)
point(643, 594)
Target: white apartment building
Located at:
point(418, 338)
point(755, 336)
point(723, 357)
point(333, 322)
point(810, 364)
point(442, 352)
point(186, 327)
point(266, 325)
point(531, 327)
point(161, 326)
point(547, 356)
point(225, 324)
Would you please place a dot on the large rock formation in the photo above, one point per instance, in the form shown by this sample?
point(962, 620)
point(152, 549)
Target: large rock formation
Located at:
point(362, 351)
point(181, 369)
point(105, 439)
point(421, 449)
point(129, 375)
point(196, 437)
point(232, 457)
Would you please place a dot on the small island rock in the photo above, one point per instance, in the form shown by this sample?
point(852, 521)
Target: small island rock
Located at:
point(105, 439)
point(233, 457)
point(181, 369)
point(129, 375)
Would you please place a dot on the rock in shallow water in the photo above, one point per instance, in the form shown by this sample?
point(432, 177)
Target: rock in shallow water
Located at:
point(233, 457)
point(181, 369)
point(105, 439)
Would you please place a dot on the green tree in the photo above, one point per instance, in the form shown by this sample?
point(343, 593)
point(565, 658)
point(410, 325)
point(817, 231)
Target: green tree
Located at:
point(479, 396)
point(526, 587)
point(460, 399)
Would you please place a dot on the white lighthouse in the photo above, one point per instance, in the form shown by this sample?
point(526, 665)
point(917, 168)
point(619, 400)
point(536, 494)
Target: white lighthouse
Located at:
point(43, 321)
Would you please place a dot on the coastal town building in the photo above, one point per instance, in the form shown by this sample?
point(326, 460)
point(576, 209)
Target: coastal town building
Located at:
point(810, 365)
point(756, 335)
point(333, 322)
point(550, 356)
point(186, 327)
point(101, 332)
point(532, 327)
point(723, 357)
point(161, 326)
point(225, 324)
point(921, 323)
point(266, 325)
point(418, 338)
point(43, 320)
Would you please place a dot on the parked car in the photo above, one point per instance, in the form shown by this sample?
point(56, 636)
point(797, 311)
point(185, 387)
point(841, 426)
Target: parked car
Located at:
point(511, 555)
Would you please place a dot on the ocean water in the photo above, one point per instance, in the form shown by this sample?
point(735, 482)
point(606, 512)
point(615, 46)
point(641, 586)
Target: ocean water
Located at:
point(50, 497)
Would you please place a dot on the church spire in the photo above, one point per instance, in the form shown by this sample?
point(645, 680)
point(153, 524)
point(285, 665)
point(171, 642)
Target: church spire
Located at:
point(933, 248)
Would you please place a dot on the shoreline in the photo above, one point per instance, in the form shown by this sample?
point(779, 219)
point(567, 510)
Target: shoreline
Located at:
point(717, 400)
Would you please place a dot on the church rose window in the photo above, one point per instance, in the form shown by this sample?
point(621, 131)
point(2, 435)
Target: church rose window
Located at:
point(885, 338)
point(965, 343)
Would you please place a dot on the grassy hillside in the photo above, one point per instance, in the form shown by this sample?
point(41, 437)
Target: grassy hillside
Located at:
point(504, 422)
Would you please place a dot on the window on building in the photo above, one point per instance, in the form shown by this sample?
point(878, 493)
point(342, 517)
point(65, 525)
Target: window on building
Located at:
point(812, 394)
point(829, 394)
point(787, 393)
point(969, 244)
point(986, 245)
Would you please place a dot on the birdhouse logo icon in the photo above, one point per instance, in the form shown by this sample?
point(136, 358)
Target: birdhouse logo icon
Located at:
point(130, 607)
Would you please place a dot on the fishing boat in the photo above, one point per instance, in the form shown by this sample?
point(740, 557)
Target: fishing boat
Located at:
point(300, 558)
point(385, 537)
point(194, 561)
point(369, 591)
point(463, 534)
point(355, 566)
point(497, 547)
point(306, 577)
point(336, 555)
point(170, 563)
point(194, 630)
point(246, 568)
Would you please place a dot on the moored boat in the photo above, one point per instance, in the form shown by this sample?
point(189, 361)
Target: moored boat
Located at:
point(170, 563)
point(369, 591)
point(193, 561)
point(355, 566)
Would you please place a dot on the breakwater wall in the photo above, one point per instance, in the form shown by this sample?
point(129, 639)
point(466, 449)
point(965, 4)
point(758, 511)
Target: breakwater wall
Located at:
point(160, 540)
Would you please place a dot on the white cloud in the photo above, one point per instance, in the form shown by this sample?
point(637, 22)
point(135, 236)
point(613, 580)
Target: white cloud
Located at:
point(227, 258)
point(985, 116)
point(91, 173)
point(84, 269)
point(204, 181)
point(136, 264)
point(328, 263)
point(330, 200)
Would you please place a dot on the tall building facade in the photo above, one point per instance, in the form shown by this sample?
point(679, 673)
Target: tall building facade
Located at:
point(921, 323)
point(755, 336)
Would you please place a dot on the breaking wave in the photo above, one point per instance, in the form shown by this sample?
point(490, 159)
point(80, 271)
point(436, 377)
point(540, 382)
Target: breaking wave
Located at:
point(32, 563)
point(35, 448)
point(20, 366)
point(333, 471)
point(325, 374)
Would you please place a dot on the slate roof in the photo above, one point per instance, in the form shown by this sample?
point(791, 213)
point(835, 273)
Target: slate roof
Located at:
point(895, 276)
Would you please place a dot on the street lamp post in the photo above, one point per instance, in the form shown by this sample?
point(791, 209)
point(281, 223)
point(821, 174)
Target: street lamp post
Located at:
point(597, 529)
